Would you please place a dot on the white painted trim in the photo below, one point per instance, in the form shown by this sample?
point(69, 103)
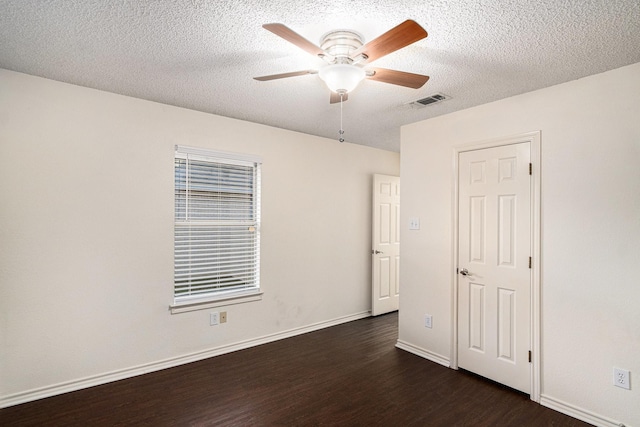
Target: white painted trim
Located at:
point(426, 354)
point(534, 140)
point(94, 380)
point(536, 271)
point(229, 299)
point(579, 413)
point(205, 153)
point(454, 262)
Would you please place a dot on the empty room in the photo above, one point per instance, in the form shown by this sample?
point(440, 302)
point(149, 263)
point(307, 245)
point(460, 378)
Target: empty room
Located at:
point(319, 213)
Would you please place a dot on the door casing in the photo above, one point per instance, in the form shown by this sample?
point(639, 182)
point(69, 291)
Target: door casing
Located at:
point(535, 146)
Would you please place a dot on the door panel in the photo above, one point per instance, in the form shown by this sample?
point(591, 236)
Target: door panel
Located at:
point(476, 317)
point(506, 230)
point(384, 225)
point(506, 324)
point(385, 252)
point(476, 234)
point(494, 245)
point(384, 291)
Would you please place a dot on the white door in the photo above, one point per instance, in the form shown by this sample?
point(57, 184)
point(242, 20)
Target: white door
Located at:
point(385, 251)
point(494, 249)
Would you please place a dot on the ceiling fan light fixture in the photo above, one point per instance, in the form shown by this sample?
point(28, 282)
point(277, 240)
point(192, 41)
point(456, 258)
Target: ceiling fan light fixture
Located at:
point(342, 78)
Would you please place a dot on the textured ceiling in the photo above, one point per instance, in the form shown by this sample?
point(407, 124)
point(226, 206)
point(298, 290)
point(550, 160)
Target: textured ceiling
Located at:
point(202, 54)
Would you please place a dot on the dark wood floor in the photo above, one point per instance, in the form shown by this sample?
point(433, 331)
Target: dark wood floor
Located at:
point(347, 375)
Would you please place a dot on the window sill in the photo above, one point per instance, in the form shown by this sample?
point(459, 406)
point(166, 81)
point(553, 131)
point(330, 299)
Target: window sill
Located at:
point(185, 306)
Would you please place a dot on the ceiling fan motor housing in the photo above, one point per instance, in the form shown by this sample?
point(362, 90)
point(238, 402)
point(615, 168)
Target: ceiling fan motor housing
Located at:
point(340, 43)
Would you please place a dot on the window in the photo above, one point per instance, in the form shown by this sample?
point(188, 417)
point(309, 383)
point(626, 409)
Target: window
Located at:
point(217, 225)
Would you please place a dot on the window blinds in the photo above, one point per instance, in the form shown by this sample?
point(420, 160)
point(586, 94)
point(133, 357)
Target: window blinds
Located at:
point(217, 224)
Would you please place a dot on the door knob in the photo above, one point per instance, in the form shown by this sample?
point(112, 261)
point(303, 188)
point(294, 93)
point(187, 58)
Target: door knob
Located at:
point(376, 252)
point(464, 272)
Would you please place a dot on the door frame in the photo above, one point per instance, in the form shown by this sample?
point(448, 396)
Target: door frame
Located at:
point(533, 138)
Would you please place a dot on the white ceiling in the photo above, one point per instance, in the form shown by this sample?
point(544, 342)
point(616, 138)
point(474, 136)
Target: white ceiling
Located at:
point(202, 54)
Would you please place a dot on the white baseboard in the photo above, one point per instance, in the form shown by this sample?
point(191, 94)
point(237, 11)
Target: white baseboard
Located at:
point(549, 402)
point(65, 387)
point(429, 355)
point(579, 413)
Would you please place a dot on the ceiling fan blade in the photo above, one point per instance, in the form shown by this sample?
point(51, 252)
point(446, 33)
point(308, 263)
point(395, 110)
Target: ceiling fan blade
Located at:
point(291, 36)
point(335, 97)
point(396, 38)
point(284, 75)
point(400, 78)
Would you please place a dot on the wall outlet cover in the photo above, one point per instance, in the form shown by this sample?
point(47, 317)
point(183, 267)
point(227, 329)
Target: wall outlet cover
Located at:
point(622, 378)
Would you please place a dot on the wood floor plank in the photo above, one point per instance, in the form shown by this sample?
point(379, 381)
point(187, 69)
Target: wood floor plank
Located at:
point(346, 375)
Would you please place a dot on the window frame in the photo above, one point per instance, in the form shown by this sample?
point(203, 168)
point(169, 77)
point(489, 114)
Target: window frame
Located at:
point(218, 159)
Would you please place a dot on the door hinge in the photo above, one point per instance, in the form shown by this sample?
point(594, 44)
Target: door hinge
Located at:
point(529, 356)
point(529, 262)
point(530, 168)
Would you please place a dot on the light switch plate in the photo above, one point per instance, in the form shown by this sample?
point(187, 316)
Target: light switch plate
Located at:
point(214, 318)
point(414, 223)
point(428, 321)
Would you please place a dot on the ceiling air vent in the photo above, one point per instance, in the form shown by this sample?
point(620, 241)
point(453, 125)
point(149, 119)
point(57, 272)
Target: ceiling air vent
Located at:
point(438, 97)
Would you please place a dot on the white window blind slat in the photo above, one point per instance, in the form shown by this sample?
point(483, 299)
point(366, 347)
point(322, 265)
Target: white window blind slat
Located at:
point(217, 224)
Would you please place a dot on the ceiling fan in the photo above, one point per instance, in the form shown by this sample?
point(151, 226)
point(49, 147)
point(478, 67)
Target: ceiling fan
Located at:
point(346, 55)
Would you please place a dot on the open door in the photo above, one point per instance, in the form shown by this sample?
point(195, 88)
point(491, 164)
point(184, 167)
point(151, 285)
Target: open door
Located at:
point(385, 252)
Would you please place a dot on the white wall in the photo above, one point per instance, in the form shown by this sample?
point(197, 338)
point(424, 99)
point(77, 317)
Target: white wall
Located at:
point(86, 235)
point(590, 239)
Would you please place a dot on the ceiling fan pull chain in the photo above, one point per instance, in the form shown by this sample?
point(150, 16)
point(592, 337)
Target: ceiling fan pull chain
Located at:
point(341, 132)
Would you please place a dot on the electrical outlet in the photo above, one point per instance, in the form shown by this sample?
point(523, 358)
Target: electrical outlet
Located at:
point(428, 321)
point(223, 317)
point(214, 318)
point(622, 378)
